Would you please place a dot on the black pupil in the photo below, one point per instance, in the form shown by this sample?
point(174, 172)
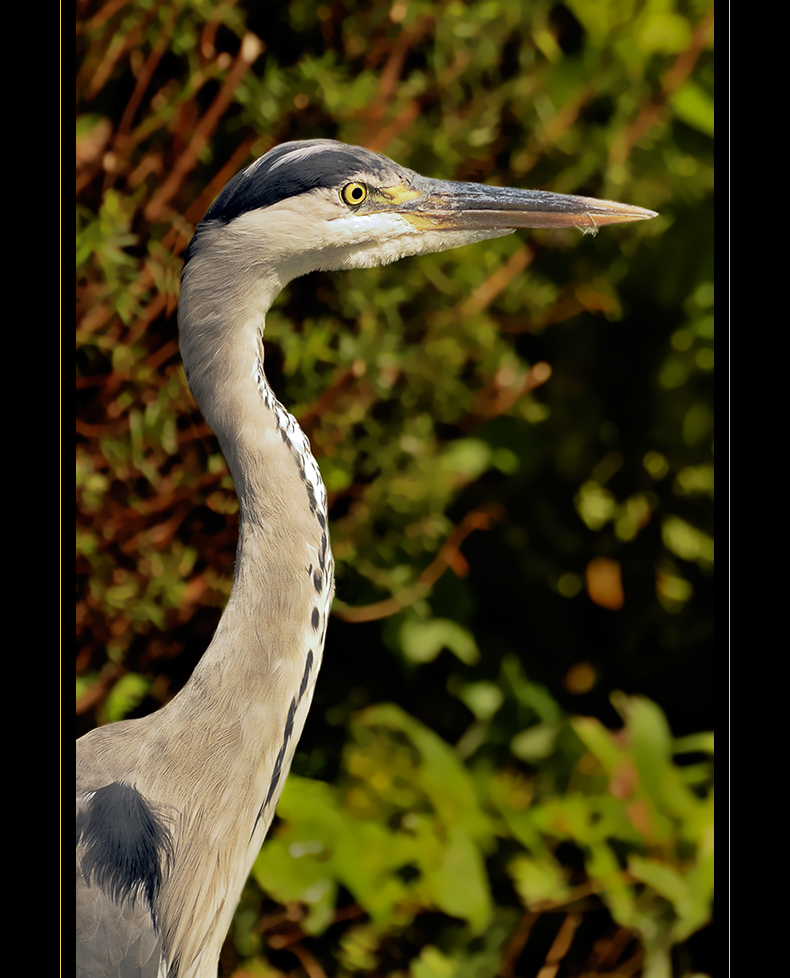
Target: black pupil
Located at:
point(356, 193)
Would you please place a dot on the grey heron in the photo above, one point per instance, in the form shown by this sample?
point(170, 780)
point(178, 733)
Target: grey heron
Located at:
point(172, 808)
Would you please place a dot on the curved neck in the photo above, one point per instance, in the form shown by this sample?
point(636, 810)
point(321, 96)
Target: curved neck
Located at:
point(283, 585)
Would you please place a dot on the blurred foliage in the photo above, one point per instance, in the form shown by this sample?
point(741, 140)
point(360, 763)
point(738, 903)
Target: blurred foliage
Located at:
point(516, 438)
point(410, 830)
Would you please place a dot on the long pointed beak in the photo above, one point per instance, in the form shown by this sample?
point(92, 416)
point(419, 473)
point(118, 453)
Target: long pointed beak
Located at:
point(474, 206)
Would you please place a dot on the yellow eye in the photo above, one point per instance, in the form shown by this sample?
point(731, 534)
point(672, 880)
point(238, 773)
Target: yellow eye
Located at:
point(354, 194)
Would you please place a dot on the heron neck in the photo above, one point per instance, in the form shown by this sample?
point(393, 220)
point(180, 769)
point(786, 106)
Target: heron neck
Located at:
point(275, 618)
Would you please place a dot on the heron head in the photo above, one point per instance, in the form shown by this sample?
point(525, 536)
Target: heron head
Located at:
point(320, 204)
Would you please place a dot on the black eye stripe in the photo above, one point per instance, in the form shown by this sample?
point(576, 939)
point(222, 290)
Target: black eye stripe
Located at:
point(261, 185)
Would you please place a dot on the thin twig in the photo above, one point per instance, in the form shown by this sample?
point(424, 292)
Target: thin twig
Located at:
point(481, 518)
point(561, 946)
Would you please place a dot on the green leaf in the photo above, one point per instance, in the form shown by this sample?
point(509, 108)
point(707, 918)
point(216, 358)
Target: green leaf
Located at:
point(536, 742)
point(459, 885)
point(537, 880)
point(125, 695)
point(694, 106)
point(422, 640)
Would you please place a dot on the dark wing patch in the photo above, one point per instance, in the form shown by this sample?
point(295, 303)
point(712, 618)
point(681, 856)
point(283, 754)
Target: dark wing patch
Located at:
point(125, 847)
point(124, 851)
